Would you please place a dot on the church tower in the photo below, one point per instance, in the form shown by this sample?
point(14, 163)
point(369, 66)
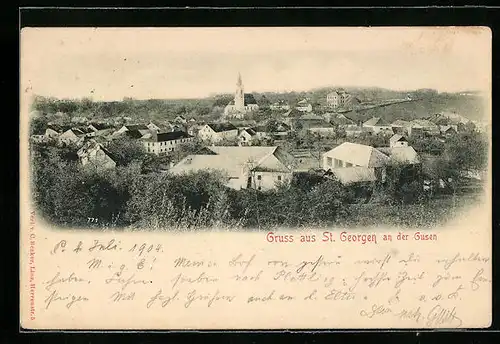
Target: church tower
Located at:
point(239, 97)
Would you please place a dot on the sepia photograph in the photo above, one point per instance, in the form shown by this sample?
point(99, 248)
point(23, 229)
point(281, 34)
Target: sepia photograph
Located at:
point(208, 178)
point(240, 133)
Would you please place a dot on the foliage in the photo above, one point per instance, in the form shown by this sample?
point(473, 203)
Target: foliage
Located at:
point(126, 150)
point(467, 151)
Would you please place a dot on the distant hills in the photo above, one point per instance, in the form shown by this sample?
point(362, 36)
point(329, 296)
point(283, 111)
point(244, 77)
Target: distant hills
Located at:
point(424, 103)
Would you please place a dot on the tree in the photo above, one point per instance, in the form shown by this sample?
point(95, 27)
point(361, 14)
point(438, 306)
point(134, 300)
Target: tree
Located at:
point(126, 150)
point(38, 125)
point(467, 151)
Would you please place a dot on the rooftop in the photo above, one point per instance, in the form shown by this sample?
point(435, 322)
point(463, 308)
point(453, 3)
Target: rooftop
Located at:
point(359, 155)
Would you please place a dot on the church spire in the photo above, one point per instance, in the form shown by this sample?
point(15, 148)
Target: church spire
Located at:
point(239, 83)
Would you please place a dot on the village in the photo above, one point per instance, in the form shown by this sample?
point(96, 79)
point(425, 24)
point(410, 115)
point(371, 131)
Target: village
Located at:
point(337, 140)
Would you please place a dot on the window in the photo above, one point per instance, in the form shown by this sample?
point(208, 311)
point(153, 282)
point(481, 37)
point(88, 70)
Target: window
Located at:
point(279, 177)
point(259, 177)
point(347, 164)
point(329, 161)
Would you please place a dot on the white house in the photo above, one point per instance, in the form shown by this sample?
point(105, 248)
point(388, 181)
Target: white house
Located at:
point(261, 168)
point(164, 143)
point(377, 125)
point(338, 98)
point(362, 163)
point(398, 140)
point(353, 154)
point(304, 106)
point(280, 105)
point(216, 132)
point(247, 136)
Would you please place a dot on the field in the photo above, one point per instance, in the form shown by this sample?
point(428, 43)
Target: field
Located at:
point(429, 214)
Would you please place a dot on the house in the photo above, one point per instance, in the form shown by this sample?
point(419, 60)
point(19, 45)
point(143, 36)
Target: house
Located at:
point(378, 125)
point(401, 127)
point(321, 128)
point(180, 119)
point(448, 129)
point(246, 136)
point(100, 128)
point(351, 131)
point(163, 143)
point(153, 127)
point(54, 130)
point(94, 154)
point(142, 128)
point(333, 99)
point(364, 163)
point(216, 132)
point(338, 98)
point(304, 106)
point(398, 140)
point(244, 124)
point(342, 121)
point(353, 154)
point(354, 175)
point(423, 126)
point(242, 102)
point(280, 105)
point(404, 155)
point(79, 119)
point(261, 168)
point(75, 135)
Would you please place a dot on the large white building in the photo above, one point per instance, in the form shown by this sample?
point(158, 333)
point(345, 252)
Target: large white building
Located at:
point(261, 168)
point(242, 103)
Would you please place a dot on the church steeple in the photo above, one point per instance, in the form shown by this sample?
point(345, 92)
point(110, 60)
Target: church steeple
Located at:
point(239, 83)
point(239, 97)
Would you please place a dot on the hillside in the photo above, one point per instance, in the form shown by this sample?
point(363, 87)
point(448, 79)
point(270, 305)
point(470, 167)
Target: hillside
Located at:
point(470, 107)
point(424, 103)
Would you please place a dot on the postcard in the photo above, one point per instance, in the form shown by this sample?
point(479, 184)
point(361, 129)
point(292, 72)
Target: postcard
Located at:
point(255, 178)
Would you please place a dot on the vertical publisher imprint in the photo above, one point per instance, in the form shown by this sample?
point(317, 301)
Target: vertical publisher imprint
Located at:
point(32, 269)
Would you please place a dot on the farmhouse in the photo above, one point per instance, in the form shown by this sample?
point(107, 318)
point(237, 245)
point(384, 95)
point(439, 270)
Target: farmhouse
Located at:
point(163, 143)
point(95, 155)
point(362, 163)
point(398, 140)
point(304, 106)
point(75, 135)
point(246, 136)
point(216, 132)
point(260, 168)
point(279, 105)
point(377, 125)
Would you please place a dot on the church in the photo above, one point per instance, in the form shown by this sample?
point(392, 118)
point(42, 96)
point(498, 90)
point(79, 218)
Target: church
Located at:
point(242, 103)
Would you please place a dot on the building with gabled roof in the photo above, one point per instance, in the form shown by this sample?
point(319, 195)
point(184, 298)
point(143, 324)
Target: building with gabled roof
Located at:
point(94, 154)
point(398, 140)
point(304, 106)
point(260, 168)
point(405, 155)
point(280, 105)
point(164, 143)
point(350, 154)
point(377, 125)
point(216, 132)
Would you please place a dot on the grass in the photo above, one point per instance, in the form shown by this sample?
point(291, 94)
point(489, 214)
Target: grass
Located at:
point(430, 214)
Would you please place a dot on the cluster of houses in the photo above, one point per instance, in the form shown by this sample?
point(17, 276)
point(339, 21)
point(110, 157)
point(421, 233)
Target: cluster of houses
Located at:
point(264, 168)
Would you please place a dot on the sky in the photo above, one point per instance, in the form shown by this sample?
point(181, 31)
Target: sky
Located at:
point(161, 63)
